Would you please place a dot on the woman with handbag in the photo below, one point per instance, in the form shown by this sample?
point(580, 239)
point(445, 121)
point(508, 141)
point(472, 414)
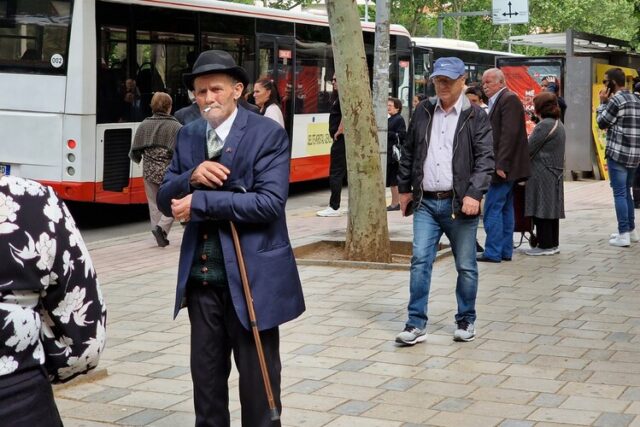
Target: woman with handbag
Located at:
point(544, 193)
point(396, 133)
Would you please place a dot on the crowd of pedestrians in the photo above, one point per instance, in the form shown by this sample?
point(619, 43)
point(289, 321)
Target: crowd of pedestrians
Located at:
point(221, 168)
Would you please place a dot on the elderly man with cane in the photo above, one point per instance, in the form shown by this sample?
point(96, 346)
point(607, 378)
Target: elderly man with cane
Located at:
point(215, 160)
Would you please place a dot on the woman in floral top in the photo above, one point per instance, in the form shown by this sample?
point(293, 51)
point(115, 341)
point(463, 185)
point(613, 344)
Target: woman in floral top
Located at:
point(52, 315)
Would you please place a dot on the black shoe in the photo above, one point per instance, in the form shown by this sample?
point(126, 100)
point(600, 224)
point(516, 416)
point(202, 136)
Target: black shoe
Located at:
point(393, 207)
point(482, 258)
point(161, 236)
point(506, 259)
point(479, 247)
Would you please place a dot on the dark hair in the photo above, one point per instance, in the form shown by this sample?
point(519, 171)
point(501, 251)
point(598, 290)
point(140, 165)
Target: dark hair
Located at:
point(546, 105)
point(421, 96)
point(617, 75)
point(268, 84)
point(477, 91)
point(396, 103)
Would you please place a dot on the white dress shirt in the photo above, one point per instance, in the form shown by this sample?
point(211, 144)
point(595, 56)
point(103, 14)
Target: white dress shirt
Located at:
point(224, 128)
point(438, 168)
point(492, 100)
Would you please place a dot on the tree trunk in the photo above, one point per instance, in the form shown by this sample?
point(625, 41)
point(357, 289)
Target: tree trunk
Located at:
point(381, 79)
point(367, 230)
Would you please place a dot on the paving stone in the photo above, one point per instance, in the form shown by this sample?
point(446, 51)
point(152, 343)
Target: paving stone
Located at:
point(353, 407)
point(449, 419)
point(173, 372)
point(147, 399)
point(306, 386)
point(609, 419)
point(143, 418)
point(548, 400)
point(400, 384)
point(353, 365)
point(452, 405)
point(108, 394)
point(349, 421)
point(398, 412)
point(567, 416)
point(516, 423)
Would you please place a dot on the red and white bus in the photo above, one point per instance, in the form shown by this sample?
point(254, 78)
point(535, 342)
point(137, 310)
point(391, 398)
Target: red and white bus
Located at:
point(66, 67)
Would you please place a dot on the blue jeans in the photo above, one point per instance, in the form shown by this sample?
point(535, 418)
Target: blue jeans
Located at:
point(430, 220)
point(498, 221)
point(621, 178)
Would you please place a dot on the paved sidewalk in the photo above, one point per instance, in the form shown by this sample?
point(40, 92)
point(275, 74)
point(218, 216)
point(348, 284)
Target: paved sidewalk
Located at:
point(558, 343)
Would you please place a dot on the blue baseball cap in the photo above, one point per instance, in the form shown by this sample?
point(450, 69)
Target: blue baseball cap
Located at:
point(451, 67)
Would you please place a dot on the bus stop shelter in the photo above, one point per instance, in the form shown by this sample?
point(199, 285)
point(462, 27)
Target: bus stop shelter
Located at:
point(585, 56)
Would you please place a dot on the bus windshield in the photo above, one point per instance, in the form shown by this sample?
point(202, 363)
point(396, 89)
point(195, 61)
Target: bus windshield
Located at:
point(34, 35)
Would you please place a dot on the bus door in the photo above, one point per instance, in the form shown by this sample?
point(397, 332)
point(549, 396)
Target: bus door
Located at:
point(276, 56)
point(422, 60)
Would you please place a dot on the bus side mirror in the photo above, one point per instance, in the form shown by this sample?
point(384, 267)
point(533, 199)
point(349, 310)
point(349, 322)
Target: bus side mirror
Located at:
point(426, 61)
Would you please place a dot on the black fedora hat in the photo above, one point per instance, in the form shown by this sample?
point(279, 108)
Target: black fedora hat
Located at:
point(215, 62)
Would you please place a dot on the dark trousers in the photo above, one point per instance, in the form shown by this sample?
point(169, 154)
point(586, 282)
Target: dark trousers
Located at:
point(215, 333)
point(337, 171)
point(26, 399)
point(547, 232)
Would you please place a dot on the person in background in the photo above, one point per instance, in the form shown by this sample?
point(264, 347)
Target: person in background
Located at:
point(131, 102)
point(338, 166)
point(506, 114)
point(544, 192)
point(230, 150)
point(396, 134)
point(153, 143)
point(445, 169)
point(52, 315)
point(476, 95)
point(619, 114)
point(189, 113)
point(417, 99)
point(267, 100)
point(551, 84)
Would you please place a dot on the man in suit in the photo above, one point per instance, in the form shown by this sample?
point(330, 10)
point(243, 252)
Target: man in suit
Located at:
point(511, 154)
point(229, 149)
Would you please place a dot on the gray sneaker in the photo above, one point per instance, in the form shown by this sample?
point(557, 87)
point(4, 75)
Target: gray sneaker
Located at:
point(465, 332)
point(411, 335)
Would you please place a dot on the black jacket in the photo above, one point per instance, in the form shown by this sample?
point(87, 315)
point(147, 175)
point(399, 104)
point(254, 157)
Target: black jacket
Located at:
point(472, 153)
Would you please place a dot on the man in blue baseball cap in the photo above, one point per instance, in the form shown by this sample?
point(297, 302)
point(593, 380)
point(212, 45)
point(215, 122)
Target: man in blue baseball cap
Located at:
point(443, 182)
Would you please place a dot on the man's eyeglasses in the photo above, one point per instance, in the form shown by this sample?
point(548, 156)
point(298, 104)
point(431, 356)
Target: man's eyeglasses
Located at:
point(443, 81)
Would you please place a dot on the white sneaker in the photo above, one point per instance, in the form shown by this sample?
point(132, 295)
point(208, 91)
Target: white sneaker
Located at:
point(465, 331)
point(633, 236)
point(329, 211)
point(621, 240)
point(541, 252)
point(556, 250)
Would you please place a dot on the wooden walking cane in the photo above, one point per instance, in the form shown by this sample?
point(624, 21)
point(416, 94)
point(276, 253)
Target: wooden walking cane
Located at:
point(275, 416)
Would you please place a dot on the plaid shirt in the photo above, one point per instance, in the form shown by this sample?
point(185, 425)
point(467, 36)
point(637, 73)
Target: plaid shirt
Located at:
point(621, 118)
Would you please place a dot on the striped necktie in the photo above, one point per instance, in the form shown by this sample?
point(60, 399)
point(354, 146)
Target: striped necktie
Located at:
point(214, 144)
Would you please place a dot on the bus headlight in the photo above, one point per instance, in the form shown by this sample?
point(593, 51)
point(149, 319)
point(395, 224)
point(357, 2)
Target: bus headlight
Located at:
point(71, 171)
point(71, 157)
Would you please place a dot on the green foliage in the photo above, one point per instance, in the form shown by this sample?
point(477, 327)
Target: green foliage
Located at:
point(279, 4)
point(613, 18)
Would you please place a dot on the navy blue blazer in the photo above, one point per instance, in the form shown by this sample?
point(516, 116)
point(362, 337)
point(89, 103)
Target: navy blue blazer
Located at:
point(256, 152)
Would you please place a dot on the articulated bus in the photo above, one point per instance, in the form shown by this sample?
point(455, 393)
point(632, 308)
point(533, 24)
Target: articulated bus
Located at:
point(428, 49)
point(76, 78)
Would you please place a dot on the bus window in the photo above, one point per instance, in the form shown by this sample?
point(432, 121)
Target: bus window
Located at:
point(161, 59)
point(34, 35)
point(112, 74)
point(313, 61)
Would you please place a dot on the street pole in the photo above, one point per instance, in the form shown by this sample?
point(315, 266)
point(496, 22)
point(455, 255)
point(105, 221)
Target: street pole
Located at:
point(381, 79)
point(366, 10)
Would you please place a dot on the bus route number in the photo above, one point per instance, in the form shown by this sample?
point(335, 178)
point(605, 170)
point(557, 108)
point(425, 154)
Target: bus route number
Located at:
point(57, 60)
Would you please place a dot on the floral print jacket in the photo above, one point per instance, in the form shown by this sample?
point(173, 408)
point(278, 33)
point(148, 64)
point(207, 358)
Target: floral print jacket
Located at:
point(51, 308)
